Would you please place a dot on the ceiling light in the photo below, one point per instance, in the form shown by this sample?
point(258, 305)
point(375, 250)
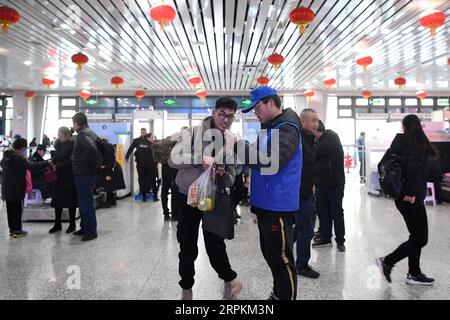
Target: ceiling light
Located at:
point(28, 63)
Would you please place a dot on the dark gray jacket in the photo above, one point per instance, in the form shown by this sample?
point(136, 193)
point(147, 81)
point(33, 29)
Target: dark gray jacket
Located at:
point(189, 171)
point(85, 152)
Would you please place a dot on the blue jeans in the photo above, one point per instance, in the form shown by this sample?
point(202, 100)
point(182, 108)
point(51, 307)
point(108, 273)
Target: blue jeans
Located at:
point(85, 195)
point(304, 231)
point(329, 201)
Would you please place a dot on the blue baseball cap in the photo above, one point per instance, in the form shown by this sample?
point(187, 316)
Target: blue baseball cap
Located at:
point(259, 94)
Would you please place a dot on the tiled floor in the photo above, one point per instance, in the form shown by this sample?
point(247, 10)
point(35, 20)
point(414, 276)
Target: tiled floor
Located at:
point(135, 257)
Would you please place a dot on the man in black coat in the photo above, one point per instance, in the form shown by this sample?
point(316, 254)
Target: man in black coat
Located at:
point(14, 187)
point(330, 183)
point(85, 165)
point(305, 217)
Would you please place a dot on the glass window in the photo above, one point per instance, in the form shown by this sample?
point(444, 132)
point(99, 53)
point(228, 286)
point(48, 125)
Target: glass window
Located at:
point(345, 102)
point(51, 124)
point(411, 102)
point(69, 102)
point(172, 102)
point(134, 102)
point(361, 110)
point(395, 102)
point(377, 110)
point(332, 106)
point(426, 110)
point(362, 102)
point(427, 102)
point(345, 113)
point(395, 110)
point(411, 110)
point(209, 102)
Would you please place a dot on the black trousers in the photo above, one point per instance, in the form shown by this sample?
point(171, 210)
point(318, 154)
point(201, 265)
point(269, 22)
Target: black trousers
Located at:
point(416, 220)
point(14, 211)
point(58, 216)
point(277, 241)
point(147, 180)
point(169, 185)
point(187, 235)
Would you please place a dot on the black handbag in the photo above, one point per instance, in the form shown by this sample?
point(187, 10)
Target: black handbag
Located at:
point(220, 221)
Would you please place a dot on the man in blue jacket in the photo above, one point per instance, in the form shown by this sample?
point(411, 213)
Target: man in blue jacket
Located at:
point(275, 193)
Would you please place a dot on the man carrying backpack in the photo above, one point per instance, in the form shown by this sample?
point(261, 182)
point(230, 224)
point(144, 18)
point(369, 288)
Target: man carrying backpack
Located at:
point(84, 164)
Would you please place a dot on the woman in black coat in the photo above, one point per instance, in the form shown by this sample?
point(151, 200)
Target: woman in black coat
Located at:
point(110, 176)
point(412, 148)
point(64, 192)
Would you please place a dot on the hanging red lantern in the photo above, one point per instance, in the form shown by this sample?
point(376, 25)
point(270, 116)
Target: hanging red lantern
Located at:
point(432, 20)
point(163, 14)
point(85, 94)
point(263, 81)
point(366, 94)
point(8, 16)
point(117, 82)
point(448, 61)
point(309, 94)
point(80, 59)
point(276, 60)
point(421, 94)
point(30, 95)
point(140, 94)
point(194, 81)
point(330, 83)
point(364, 62)
point(400, 82)
point(202, 94)
point(48, 82)
point(302, 17)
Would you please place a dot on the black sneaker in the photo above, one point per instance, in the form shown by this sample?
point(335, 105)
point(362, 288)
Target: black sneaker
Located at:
point(71, 229)
point(166, 218)
point(341, 248)
point(384, 268)
point(89, 237)
point(308, 272)
point(56, 228)
point(322, 243)
point(79, 233)
point(420, 280)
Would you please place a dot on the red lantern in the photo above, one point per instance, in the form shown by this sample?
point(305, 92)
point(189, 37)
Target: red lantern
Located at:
point(309, 94)
point(117, 81)
point(163, 14)
point(330, 83)
point(421, 94)
point(202, 94)
point(448, 61)
point(80, 59)
point(432, 21)
point(365, 62)
point(400, 82)
point(276, 60)
point(140, 94)
point(48, 82)
point(85, 95)
point(367, 94)
point(30, 95)
point(263, 81)
point(8, 16)
point(195, 81)
point(302, 17)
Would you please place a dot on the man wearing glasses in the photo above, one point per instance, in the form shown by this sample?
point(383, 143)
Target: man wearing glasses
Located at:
point(275, 195)
point(191, 165)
